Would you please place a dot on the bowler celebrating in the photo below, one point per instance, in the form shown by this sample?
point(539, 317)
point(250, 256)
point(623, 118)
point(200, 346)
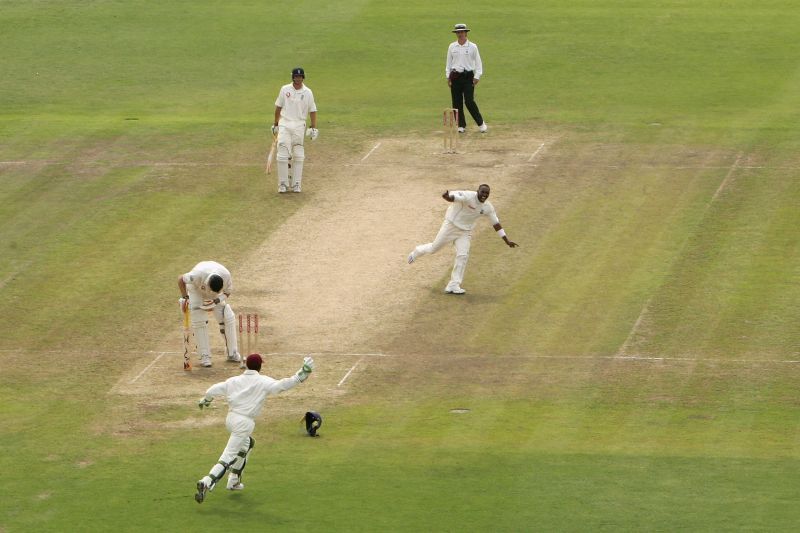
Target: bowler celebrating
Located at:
point(459, 220)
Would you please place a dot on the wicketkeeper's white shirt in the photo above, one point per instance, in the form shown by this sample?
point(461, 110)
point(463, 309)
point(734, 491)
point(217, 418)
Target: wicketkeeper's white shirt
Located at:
point(296, 104)
point(465, 210)
point(199, 274)
point(246, 392)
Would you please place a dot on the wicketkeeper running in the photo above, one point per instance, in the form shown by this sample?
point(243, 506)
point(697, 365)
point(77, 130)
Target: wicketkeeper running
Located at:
point(245, 394)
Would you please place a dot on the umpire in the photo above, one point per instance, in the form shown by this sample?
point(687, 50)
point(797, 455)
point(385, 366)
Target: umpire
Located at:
point(463, 70)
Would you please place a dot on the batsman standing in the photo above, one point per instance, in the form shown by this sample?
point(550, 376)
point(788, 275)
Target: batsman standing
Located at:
point(205, 290)
point(245, 394)
point(294, 104)
point(463, 70)
point(459, 220)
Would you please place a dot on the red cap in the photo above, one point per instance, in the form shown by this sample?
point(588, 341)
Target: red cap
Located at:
point(254, 361)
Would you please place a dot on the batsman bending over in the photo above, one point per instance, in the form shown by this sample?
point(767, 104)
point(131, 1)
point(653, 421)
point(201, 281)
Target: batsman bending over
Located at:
point(205, 290)
point(457, 227)
point(245, 395)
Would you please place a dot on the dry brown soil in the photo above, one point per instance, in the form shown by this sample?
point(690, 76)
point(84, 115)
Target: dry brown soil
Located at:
point(335, 274)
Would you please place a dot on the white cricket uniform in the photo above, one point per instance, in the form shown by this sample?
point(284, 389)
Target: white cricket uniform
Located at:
point(295, 106)
point(196, 283)
point(201, 301)
point(245, 395)
point(459, 220)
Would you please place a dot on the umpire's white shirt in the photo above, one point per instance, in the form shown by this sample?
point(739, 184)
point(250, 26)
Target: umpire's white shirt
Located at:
point(246, 392)
point(465, 210)
point(199, 274)
point(295, 104)
point(461, 57)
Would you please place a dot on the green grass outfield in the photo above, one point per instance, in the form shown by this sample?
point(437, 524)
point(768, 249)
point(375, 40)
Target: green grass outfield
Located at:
point(639, 373)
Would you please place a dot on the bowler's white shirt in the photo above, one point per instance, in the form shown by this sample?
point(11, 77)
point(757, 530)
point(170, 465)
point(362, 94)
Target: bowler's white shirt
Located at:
point(465, 210)
point(295, 104)
point(246, 392)
point(199, 274)
point(463, 57)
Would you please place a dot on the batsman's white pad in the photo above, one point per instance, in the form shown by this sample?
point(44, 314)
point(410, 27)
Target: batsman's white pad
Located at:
point(298, 153)
point(284, 151)
point(297, 171)
point(227, 318)
point(200, 330)
point(283, 172)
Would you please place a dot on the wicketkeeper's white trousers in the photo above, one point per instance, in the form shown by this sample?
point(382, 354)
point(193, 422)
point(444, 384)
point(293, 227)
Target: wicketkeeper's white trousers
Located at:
point(241, 427)
point(461, 240)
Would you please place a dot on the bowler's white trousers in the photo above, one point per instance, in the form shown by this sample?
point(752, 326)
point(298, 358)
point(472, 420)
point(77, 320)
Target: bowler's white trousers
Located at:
point(461, 239)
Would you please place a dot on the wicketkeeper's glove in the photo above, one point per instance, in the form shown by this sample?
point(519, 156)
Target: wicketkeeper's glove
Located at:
point(205, 402)
point(308, 367)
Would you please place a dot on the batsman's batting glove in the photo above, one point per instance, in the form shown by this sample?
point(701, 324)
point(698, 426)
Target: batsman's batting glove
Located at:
point(313, 133)
point(275, 129)
point(205, 402)
point(184, 303)
point(308, 367)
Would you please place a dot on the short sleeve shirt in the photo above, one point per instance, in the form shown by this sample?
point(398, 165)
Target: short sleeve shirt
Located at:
point(200, 273)
point(465, 210)
point(295, 104)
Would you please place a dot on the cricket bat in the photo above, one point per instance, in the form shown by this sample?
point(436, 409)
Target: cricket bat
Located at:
point(187, 364)
point(271, 155)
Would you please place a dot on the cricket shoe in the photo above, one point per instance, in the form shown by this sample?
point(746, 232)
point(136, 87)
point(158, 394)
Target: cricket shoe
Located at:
point(296, 187)
point(462, 130)
point(202, 490)
point(235, 358)
point(234, 483)
point(410, 258)
point(282, 188)
point(483, 128)
point(205, 360)
point(455, 289)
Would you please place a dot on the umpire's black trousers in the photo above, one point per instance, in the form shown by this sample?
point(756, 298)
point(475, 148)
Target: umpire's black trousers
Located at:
point(462, 92)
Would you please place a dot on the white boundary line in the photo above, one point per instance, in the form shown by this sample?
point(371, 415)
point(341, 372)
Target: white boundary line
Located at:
point(154, 361)
point(532, 157)
point(362, 356)
point(724, 183)
point(646, 307)
point(349, 372)
point(370, 152)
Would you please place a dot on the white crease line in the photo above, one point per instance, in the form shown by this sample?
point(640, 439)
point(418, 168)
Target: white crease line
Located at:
point(370, 152)
point(349, 372)
point(722, 185)
point(536, 153)
point(644, 310)
point(148, 366)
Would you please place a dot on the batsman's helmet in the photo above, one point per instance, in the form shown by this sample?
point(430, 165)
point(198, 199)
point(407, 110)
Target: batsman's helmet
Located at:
point(298, 71)
point(313, 422)
point(214, 282)
point(254, 361)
